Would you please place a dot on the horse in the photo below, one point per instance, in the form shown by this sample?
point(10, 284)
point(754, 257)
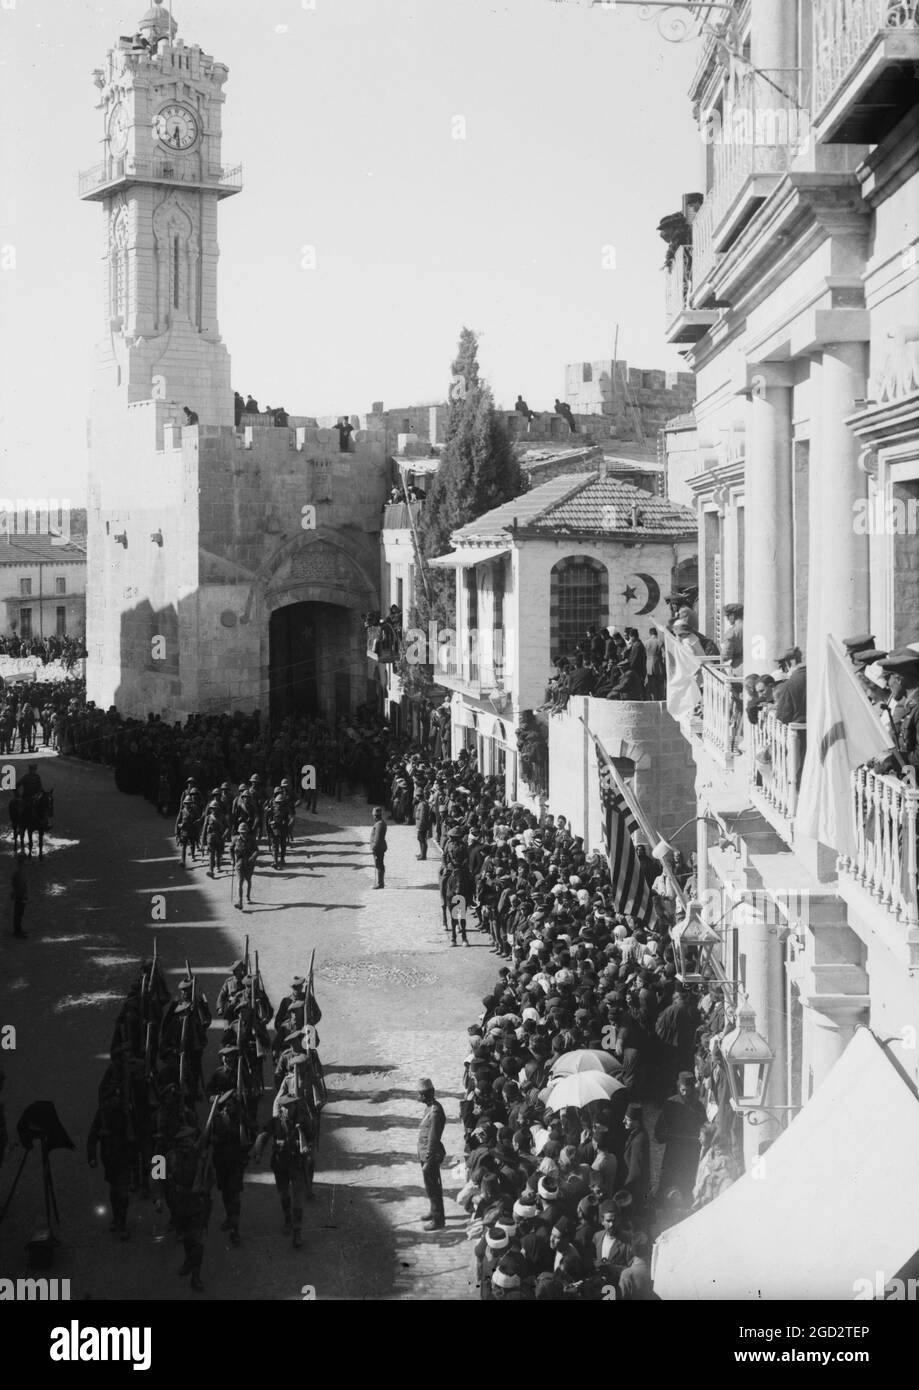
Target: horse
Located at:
point(18, 823)
point(39, 813)
point(278, 829)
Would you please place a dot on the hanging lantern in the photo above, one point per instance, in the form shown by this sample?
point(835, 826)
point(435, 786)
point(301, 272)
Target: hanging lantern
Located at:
point(693, 944)
point(748, 1059)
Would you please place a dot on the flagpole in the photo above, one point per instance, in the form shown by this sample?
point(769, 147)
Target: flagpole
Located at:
point(645, 825)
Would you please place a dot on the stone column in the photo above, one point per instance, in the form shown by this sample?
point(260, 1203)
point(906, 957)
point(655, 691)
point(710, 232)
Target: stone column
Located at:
point(830, 1021)
point(844, 557)
point(768, 543)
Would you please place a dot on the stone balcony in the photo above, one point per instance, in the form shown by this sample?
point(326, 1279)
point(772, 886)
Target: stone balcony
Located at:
point(866, 56)
point(762, 127)
point(683, 324)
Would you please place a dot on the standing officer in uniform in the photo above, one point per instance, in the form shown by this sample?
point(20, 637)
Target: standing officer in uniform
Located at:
point(431, 1152)
point(378, 845)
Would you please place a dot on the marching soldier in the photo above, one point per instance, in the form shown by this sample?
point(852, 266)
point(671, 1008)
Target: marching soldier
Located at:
point(183, 1036)
point(231, 987)
point(292, 1008)
point(243, 854)
point(257, 797)
point(242, 805)
point(112, 1132)
point(189, 1179)
point(292, 1133)
point(225, 1077)
point(213, 837)
point(232, 1139)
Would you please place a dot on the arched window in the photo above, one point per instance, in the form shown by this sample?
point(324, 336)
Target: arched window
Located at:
point(579, 597)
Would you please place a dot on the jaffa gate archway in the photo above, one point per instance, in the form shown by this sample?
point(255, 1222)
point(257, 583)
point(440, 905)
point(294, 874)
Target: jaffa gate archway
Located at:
point(313, 666)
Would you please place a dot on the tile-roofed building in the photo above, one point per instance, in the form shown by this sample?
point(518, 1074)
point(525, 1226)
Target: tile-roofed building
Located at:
point(18, 549)
point(582, 503)
point(531, 576)
point(42, 584)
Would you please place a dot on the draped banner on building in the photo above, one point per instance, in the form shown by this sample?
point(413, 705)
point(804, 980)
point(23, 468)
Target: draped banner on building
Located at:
point(631, 889)
point(683, 665)
point(843, 732)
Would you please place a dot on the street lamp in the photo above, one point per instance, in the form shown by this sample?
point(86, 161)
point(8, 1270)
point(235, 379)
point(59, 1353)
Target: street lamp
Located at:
point(748, 1059)
point(694, 941)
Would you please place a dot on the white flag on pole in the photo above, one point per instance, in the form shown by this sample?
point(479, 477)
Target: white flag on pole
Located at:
point(682, 670)
point(843, 732)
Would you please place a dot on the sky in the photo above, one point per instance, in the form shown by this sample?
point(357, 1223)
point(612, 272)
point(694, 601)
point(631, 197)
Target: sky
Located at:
point(537, 229)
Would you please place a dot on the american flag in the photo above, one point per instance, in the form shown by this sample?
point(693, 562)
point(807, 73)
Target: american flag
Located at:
point(631, 891)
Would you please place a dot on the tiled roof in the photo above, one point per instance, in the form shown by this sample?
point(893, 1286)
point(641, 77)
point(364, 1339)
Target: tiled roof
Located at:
point(523, 509)
point(19, 549)
point(582, 503)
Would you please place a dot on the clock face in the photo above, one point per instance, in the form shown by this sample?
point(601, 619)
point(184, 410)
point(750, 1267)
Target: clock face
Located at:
point(176, 127)
point(118, 130)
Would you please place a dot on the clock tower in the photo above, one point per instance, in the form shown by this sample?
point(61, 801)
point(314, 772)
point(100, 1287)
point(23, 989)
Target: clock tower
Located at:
point(159, 181)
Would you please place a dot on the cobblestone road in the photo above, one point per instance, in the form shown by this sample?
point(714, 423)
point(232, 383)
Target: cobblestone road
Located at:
point(396, 1001)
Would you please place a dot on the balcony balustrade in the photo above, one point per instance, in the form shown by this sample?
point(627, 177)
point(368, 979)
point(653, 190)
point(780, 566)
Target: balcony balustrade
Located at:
point(112, 172)
point(865, 52)
point(884, 864)
point(721, 714)
point(763, 125)
point(775, 766)
point(683, 323)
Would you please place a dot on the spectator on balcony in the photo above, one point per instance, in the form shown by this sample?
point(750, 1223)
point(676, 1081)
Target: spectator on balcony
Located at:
point(582, 679)
point(563, 409)
point(902, 671)
point(595, 644)
point(251, 406)
point(791, 694)
point(761, 696)
point(731, 650)
point(655, 667)
point(191, 416)
point(239, 406)
point(684, 633)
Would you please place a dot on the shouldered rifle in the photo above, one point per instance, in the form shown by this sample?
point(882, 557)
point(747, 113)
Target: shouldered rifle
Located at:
point(202, 1181)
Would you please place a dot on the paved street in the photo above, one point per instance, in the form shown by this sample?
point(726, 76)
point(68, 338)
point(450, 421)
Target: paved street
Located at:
point(396, 1001)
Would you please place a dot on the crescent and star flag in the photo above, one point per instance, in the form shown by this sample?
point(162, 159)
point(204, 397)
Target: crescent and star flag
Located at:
point(843, 732)
point(631, 890)
point(683, 665)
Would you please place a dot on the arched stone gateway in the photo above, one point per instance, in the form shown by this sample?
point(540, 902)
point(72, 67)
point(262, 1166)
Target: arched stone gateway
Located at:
point(315, 593)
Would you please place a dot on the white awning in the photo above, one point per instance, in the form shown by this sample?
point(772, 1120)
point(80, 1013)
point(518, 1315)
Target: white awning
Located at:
point(470, 555)
point(837, 1199)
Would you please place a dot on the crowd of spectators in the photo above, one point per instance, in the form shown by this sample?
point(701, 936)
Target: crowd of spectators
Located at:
point(563, 1203)
point(67, 650)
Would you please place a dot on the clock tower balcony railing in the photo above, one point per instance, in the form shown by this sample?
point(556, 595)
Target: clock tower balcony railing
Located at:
point(113, 174)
